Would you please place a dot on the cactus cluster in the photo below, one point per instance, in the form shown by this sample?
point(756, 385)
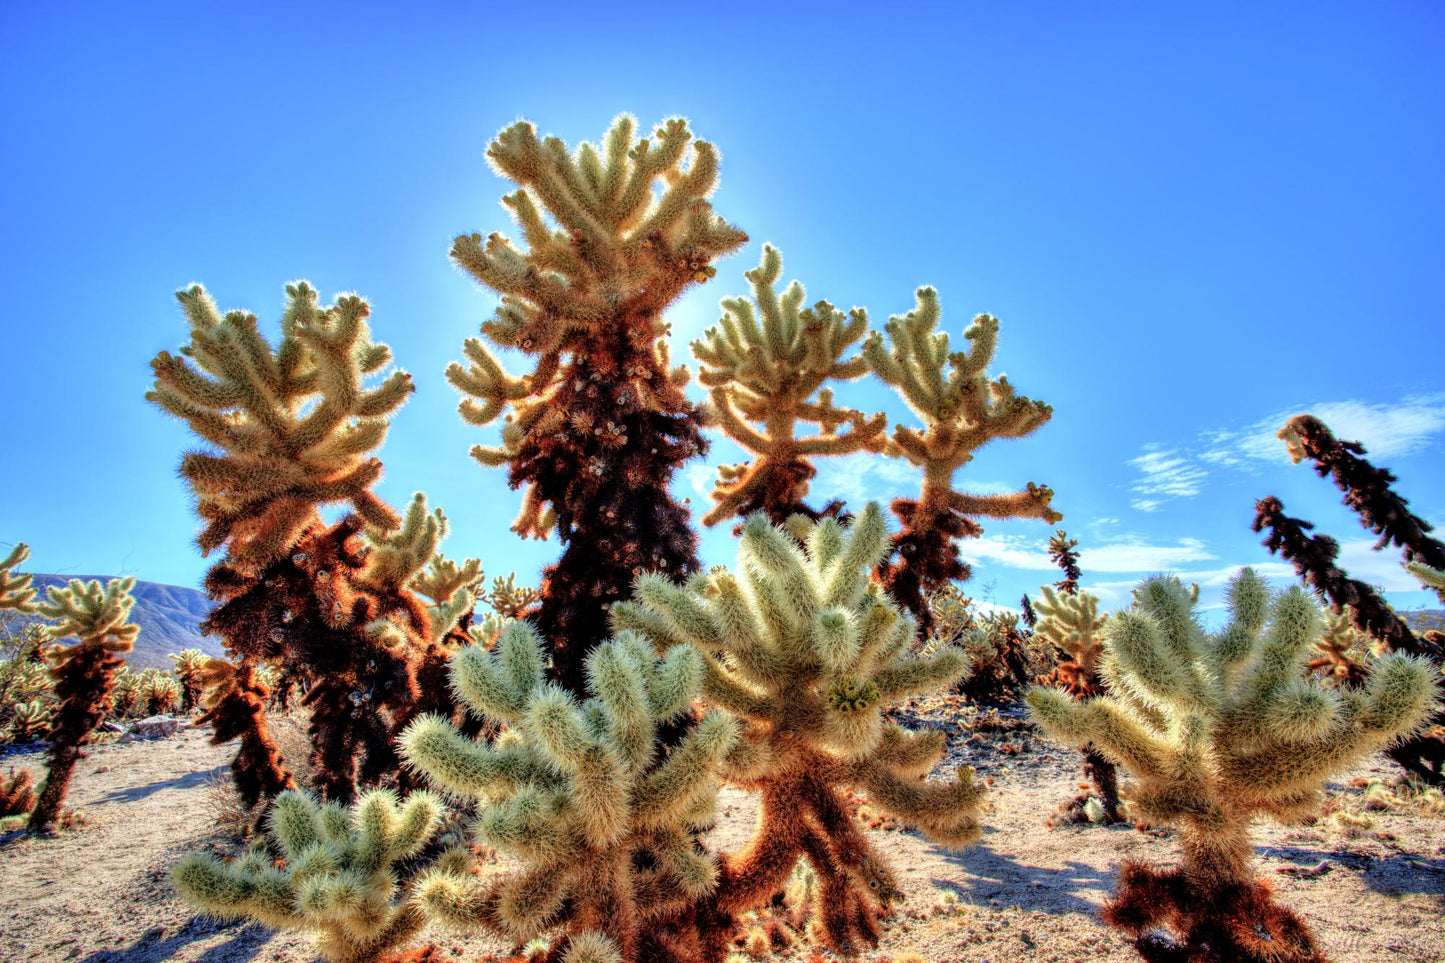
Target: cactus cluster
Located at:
point(1217, 730)
point(808, 653)
point(234, 699)
point(335, 875)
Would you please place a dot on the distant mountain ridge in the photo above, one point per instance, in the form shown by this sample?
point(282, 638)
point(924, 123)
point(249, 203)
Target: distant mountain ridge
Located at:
point(169, 617)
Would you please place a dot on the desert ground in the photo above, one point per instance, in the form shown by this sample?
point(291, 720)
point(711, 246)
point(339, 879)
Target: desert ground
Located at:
point(1369, 880)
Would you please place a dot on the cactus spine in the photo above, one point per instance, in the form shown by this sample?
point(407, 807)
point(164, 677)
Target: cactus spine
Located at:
point(188, 666)
point(336, 877)
point(584, 795)
point(807, 652)
point(97, 618)
point(962, 410)
point(1218, 730)
point(767, 362)
point(597, 428)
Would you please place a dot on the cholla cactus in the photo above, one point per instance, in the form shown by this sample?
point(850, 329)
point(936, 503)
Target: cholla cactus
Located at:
point(599, 425)
point(30, 720)
point(1340, 654)
point(768, 365)
point(336, 877)
point(1071, 622)
point(294, 427)
point(234, 698)
point(962, 410)
point(97, 618)
point(1218, 730)
point(808, 653)
point(17, 793)
point(126, 692)
point(188, 673)
point(583, 795)
point(162, 693)
point(1367, 490)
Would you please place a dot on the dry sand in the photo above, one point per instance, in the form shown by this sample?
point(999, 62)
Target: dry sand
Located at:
point(99, 893)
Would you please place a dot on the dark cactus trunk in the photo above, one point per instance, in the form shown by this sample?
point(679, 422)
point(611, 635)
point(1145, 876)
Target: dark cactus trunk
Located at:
point(83, 691)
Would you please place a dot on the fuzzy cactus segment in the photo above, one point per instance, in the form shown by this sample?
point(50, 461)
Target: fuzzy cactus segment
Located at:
point(335, 876)
point(808, 653)
point(1218, 729)
point(581, 793)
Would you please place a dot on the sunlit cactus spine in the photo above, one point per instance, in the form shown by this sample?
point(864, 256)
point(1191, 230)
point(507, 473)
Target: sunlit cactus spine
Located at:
point(1340, 655)
point(188, 668)
point(97, 618)
point(767, 363)
point(336, 877)
point(595, 430)
point(962, 410)
point(234, 699)
point(17, 592)
point(598, 814)
point(809, 653)
point(162, 694)
point(1217, 730)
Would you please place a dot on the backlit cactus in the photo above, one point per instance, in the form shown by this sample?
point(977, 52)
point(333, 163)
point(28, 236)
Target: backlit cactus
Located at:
point(30, 720)
point(596, 429)
point(336, 876)
point(1218, 729)
point(17, 793)
point(599, 816)
point(188, 668)
point(97, 618)
point(17, 594)
point(767, 363)
point(1070, 621)
point(962, 410)
point(808, 653)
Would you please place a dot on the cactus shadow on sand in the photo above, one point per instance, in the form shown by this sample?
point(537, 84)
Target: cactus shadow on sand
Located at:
point(243, 945)
point(1395, 874)
point(189, 780)
point(991, 875)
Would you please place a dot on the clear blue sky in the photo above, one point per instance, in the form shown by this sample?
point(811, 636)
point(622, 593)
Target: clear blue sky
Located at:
point(1191, 219)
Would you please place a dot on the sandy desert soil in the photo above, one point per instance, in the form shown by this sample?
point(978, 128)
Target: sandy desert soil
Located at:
point(99, 893)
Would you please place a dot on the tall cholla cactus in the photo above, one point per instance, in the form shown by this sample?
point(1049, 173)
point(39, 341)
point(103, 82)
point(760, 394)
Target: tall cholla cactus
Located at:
point(337, 878)
point(1071, 622)
point(581, 794)
point(600, 424)
point(293, 428)
point(97, 618)
point(962, 410)
point(766, 362)
point(1217, 730)
point(293, 425)
point(808, 653)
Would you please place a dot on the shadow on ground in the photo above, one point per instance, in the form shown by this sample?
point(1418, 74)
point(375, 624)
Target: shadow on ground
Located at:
point(156, 947)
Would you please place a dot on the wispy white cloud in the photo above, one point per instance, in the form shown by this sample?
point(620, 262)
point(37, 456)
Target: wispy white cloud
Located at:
point(1134, 554)
point(701, 478)
point(1164, 474)
point(862, 477)
point(1386, 430)
point(1011, 551)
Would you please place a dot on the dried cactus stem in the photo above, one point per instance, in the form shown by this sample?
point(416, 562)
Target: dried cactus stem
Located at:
point(83, 691)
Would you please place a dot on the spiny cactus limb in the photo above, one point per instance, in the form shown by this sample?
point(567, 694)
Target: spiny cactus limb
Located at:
point(1367, 489)
point(16, 591)
point(17, 793)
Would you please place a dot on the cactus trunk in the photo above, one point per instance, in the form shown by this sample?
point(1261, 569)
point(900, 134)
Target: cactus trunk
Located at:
point(84, 693)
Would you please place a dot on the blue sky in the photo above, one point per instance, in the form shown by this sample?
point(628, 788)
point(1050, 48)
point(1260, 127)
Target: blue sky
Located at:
point(1192, 221)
